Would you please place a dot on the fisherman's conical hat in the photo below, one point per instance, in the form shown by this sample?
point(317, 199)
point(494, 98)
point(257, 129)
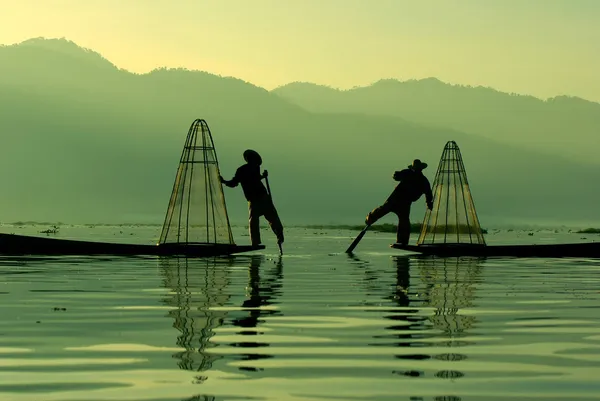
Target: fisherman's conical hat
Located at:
point(252, 157)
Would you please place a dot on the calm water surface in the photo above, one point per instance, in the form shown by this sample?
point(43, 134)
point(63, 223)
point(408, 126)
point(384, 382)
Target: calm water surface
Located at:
point(315, 324)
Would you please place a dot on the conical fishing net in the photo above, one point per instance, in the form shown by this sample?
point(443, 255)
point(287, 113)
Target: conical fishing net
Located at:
point(197, 213)
point(453, 219)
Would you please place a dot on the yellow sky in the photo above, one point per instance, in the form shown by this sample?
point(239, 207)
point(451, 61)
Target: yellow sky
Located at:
point(539, 47)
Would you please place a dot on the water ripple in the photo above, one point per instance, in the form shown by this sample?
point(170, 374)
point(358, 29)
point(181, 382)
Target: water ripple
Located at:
point(311, 326)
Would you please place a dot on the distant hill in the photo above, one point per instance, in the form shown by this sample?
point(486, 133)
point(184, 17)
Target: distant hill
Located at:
point(82, 141)
point(565, 126)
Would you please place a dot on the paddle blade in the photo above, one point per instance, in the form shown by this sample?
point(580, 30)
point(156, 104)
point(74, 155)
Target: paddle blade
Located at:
point(357, 240)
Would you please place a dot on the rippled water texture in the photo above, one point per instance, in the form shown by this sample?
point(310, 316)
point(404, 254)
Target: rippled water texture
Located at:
point(314, 324)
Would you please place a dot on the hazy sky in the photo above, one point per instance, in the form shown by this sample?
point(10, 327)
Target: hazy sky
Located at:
point(539, 47)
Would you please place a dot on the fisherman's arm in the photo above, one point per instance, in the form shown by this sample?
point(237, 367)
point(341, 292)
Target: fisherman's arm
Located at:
point(230, 183)
point(428, 194)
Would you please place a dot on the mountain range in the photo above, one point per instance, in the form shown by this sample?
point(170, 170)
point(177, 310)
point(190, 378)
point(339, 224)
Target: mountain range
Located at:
point(565, 126)
point(84, 141)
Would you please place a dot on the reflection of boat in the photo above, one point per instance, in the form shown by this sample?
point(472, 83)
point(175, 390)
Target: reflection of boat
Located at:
point(197, 286)
point(196, 223)
point(452, 227)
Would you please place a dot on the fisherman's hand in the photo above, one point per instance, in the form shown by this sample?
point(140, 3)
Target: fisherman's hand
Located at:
point(221, 178)
point(430, 205)
point(265, 174)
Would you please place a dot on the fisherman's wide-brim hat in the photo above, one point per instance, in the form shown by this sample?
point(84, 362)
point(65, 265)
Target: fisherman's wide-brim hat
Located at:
point(418, 165)
point(252, 157)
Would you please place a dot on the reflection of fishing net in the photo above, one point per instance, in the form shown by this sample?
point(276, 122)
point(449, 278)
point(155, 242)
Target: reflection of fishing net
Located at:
point(449, 287)
point(197, 213)
point(453, 219)
point(197, 286)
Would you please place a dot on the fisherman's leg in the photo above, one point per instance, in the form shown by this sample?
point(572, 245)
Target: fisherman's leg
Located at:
point(274, 221)
point(403, 231)
point(254, 222)
point(378, 213)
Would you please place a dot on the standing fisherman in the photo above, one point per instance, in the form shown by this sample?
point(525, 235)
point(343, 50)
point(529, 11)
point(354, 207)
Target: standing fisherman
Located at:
point(259, 200)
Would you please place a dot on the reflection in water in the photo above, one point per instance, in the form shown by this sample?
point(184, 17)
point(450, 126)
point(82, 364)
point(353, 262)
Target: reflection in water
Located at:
point(448, 287)
point(197, 285)
point(372, 280)
point(261, 293)
point(408, 324)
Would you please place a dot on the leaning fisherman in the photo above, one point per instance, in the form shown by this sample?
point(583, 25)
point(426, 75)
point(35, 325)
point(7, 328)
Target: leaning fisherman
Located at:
point(413, 184)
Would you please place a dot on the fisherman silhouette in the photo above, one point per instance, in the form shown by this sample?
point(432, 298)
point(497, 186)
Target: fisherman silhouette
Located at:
point(259, 200)
point(413, 184)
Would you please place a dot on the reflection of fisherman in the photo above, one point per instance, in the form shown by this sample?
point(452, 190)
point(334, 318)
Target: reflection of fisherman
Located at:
point(413, 184)
point(259, 200)
point(262, 292)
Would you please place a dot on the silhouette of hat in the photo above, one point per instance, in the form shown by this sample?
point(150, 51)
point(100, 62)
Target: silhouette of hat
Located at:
point(252, 157)
point(418, 165)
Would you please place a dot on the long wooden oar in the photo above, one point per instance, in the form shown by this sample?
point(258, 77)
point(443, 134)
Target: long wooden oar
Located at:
point(271, 196)
point(357, 239)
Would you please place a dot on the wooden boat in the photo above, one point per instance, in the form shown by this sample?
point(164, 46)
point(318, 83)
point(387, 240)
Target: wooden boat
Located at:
point(196, 223)
point(12, 244)
point(575, 250)
point(452, 228)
